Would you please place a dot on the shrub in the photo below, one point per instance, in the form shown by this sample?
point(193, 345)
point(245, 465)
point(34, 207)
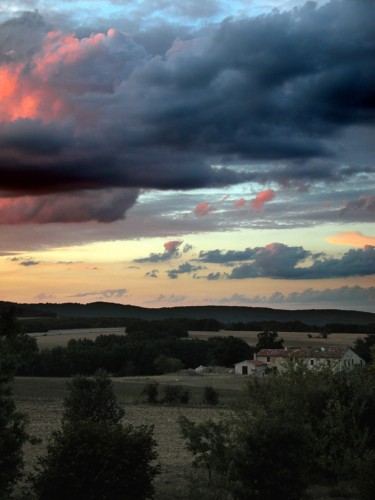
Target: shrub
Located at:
point(175, 394)
point(151, 392)
point(96, 461)
point(365, 478)
point(210, 396)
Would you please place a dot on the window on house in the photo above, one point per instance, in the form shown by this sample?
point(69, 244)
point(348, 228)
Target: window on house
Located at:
point(244, 370)
point(268, 359)
point(311, 362)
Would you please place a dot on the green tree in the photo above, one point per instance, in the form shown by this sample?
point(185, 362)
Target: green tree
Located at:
point(92, 400)
point(94, 456)
point(269, 340)
point(167, 364)
point(226, 351)
point(210, 443)
point(9, 324)
point(12, 431)
point(270, 460)
point(363, 347)
point(24, 351)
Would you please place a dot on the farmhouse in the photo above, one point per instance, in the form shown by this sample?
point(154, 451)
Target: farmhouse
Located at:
point(338, 357)
point(250, 367)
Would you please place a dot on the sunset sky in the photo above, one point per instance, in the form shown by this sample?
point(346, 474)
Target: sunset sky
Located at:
point(165, 152)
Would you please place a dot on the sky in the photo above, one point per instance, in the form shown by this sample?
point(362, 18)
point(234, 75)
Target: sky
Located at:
point(162, 153)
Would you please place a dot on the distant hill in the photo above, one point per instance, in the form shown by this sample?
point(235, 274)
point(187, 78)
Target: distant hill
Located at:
point(224, 314)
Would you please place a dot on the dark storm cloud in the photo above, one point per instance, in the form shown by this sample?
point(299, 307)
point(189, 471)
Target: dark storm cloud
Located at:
point(80, 206)
point(104, 113)
point(278, 261)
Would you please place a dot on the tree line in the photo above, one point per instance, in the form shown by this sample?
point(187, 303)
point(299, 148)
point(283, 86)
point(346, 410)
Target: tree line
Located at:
point(148, 348)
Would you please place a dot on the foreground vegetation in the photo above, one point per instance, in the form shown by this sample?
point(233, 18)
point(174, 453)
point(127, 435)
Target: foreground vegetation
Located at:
point(281, 437)
point(322, 424)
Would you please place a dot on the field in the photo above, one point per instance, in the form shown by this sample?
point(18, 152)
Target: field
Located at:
point(56, 338)
point(41, 399)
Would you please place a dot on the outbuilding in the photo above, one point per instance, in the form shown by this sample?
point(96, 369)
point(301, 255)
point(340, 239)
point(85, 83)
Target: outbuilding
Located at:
point(250, 367)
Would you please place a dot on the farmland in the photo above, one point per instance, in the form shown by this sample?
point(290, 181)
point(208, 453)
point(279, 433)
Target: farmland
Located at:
point(54, 338)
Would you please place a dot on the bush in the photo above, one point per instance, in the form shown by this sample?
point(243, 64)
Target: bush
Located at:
point(151, 392)
point(175, 394)
point(366, 478)
point(210, 396)
point(96, 461)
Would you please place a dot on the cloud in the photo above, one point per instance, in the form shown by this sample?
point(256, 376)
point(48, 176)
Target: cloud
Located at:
point(203, 208)
point(169, 298)
point(352, 238)
point(240, 203)
point(363, 208)
point(354, 295)
point(185, 268)
point(221, 257)
point(171, 250)
point(45, 297)
point(152, 274)
point(213, 276)
point(107, 294)
point(29, 263)
point(261, 198)
point(81, 206)
point(172, 246)
point(230, 104)
point(280, 261)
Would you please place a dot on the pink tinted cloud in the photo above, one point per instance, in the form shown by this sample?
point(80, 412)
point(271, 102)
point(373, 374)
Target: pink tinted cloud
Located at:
point(263, 197)
point(172, 246)
point(66, 66)
point(203, 208)
point(240, 203)
point(351, 238)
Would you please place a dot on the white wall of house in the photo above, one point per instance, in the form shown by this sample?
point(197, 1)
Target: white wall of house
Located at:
point(249, 368)
point(346, 362)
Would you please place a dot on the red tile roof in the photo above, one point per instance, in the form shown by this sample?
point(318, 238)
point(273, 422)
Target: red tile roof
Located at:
point(313, 352)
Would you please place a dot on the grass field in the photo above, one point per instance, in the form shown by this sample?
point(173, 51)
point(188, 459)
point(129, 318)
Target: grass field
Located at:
point(291, 339)
point(56, 338)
